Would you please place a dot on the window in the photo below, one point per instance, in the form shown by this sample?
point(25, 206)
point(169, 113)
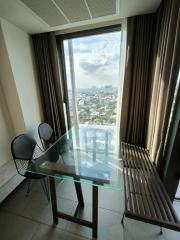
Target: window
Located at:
point(92, 75)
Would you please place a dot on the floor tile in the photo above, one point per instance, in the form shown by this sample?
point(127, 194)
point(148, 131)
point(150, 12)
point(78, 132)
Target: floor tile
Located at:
point(66, 190)
point(39, 210)
point(14, 227)
point(178, 191)
point(107, 221)
point(108, 198)
point(171, 235)
point(111, 200)
point(51, 233)
point(17, 201)
point(134, 230)
point(30, 218)
point(70, 236)
point(36, 185)
point(176, 205)
point(86, 214)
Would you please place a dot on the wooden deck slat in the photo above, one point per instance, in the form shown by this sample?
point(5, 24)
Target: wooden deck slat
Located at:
point(148, 173)
point(157, 201)
point(152, 193)
point(128, 201)
point(145, 196)
point(141, 186)
point(128, 198)
point(134, 183)
point(151, 211)
point(135, 204)
point(165, 198)
point(170, 225)
point(176, 219)
point(152, 204)
point(154, 179)
point(162, 196)
point(152, 189)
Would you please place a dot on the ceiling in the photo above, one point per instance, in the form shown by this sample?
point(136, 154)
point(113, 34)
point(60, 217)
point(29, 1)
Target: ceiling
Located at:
point(35, 16)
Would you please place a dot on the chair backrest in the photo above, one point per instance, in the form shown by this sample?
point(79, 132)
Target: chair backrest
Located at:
point(23, 150)
point(45, 134)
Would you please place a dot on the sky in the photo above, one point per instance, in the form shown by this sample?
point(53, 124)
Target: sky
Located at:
point(96, 60)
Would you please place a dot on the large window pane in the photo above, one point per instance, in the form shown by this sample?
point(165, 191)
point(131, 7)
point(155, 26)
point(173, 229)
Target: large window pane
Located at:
point(92, 69)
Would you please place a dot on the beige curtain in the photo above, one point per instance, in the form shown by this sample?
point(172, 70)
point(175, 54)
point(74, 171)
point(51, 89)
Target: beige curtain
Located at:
point(137, 84)
point(49, 80)
point(165, 74)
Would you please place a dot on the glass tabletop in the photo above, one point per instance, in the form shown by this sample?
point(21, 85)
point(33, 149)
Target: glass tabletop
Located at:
point(85, 154)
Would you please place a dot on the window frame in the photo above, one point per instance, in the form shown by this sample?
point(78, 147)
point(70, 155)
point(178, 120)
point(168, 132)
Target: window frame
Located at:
point(59, 41)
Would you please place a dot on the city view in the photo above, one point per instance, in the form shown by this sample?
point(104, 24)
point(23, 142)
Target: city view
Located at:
point(92, 73)
point(95, 106)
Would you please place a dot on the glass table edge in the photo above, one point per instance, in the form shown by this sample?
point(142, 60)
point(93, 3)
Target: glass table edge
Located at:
point(84, 182)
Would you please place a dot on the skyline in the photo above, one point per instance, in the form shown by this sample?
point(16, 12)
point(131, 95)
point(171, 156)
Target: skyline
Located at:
point(96, 60)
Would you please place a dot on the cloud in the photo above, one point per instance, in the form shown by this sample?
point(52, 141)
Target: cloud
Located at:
point(81, 48)
point(96, 60)
point(90, 67)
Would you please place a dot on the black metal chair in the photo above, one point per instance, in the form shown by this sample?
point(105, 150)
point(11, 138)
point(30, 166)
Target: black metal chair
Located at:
point(46, 135)
point(25, 150)
point(45, 132)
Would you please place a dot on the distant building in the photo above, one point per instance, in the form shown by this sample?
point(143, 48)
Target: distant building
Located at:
point(102, 100)
point(88, 98)
point(108, 86)
point(81, 102)
point(95, 114)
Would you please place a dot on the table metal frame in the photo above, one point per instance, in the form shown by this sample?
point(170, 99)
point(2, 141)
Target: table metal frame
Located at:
point(57, 214)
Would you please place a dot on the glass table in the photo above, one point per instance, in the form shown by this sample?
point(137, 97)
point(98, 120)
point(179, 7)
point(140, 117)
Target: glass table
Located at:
point(84, 155)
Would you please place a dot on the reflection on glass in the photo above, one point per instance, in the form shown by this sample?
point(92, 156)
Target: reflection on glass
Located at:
point(92, 158)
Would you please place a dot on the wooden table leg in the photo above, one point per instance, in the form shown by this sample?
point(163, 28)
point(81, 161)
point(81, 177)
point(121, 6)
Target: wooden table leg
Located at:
point(79, 192)
point(53, 199)
point(95, 211)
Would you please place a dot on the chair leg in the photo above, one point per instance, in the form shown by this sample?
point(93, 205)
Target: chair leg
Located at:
point(45, 188)
point(161, 232)
point(122, 220)
point(62, 158)
point(28, 186)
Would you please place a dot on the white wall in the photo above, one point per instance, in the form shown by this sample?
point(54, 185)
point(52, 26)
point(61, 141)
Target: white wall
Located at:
point(6, 131)
point(11, 117)
point(20, 52)
point(20, 105)
point(8, 87)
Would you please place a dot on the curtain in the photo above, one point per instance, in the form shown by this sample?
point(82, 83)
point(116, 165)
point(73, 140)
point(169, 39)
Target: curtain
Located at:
point(136, 90)
point(152, 66)
point(167, 63)
point(49, 80)
point(171, 173)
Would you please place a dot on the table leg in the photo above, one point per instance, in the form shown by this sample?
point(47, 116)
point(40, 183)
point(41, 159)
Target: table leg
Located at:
point(53, 199)
point(79, 192)
point(95, 211)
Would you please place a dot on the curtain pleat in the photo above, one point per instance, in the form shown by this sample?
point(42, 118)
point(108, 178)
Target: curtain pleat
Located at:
point(135, 105)
point(152, 67)
point(167, 64)
point(49, 81)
